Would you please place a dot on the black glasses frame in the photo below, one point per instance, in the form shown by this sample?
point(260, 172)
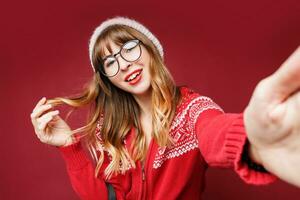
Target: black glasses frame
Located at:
point(119, 52)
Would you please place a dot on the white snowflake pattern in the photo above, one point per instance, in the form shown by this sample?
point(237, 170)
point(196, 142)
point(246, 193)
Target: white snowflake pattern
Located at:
point(183, 129)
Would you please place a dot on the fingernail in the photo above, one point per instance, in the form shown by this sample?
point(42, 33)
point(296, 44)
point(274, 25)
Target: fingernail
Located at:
point(56, 112)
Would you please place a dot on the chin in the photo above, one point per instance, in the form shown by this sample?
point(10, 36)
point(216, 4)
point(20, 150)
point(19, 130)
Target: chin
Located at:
point(140, 89)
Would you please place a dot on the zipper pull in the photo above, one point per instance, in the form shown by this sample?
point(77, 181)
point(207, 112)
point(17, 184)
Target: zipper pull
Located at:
point(143, 173)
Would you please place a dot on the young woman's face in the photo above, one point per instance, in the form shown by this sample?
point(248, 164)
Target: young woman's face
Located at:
point(133, 77)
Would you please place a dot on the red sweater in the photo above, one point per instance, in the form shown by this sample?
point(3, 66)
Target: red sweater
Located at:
point(205, 136)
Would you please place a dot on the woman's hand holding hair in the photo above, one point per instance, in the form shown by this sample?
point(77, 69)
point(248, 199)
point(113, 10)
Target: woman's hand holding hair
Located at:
point(272, 121)
point(49, 127)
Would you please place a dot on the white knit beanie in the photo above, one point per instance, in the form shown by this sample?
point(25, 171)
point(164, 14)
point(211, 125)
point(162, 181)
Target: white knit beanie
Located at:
point(122, 21)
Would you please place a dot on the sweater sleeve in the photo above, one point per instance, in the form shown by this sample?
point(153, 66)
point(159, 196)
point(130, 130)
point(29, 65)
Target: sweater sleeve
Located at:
point(81, 173)
point(222, 138)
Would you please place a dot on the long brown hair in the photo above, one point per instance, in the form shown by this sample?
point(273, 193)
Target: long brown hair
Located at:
point(115, 105)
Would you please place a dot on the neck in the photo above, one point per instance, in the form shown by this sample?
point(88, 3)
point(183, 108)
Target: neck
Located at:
point(145, 103)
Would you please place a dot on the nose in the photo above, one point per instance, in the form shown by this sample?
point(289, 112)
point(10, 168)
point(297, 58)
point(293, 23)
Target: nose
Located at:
point(123, 63)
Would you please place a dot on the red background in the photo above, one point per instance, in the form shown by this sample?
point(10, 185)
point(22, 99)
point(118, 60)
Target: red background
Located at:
point(219, 48)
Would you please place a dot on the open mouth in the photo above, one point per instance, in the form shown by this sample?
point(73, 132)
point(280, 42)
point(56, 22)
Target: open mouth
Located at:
point(134, 76)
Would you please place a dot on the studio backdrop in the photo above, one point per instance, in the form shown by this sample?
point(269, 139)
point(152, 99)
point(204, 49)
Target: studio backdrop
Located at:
point(221, 49)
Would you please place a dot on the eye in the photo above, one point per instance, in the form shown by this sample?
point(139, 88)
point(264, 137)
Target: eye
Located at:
point(128, 50)
point(130, 45)
point(109, 62)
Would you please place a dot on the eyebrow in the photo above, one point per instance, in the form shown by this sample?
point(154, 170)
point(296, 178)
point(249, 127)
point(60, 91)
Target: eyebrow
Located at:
point(114, 54)
point(110, 55)
point(103, 59)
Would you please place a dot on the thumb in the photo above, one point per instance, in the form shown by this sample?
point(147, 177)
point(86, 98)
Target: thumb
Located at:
point(286, 80)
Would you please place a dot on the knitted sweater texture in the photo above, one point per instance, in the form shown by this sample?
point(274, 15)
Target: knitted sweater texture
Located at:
point(204, 136)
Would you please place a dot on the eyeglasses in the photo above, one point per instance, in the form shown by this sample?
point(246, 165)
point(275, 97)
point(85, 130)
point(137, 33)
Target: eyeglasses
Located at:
point(130, 51)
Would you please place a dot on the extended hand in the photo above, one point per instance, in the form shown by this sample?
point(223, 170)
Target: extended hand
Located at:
point(272, 121)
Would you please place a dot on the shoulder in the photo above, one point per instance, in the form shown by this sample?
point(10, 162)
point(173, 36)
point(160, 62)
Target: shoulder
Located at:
point(192, 105)
point(192, 101)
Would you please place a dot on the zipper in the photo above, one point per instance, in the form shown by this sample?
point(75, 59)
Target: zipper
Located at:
point(144, 171)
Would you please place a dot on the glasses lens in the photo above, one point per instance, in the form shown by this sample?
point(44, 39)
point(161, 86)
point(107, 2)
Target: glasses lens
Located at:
point(110, 66)
point(131, 50)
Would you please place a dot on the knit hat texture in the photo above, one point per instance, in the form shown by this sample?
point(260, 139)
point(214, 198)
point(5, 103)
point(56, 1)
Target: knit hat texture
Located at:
point(122, 21)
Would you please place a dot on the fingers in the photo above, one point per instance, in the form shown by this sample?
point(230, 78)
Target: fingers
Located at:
point(46, 138)
point(286, 80)
point(39, 110)
point(40, 120)
point(40, 102)
point(43, 121)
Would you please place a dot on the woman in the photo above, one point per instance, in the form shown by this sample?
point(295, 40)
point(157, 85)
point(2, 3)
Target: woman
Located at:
point(154, 140)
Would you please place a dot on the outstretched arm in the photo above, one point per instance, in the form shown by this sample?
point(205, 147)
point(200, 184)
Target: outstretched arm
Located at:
point(272, 121)
point(81, 173)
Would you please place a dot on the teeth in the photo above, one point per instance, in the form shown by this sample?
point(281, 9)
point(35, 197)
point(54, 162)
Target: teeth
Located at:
point(133, 76)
